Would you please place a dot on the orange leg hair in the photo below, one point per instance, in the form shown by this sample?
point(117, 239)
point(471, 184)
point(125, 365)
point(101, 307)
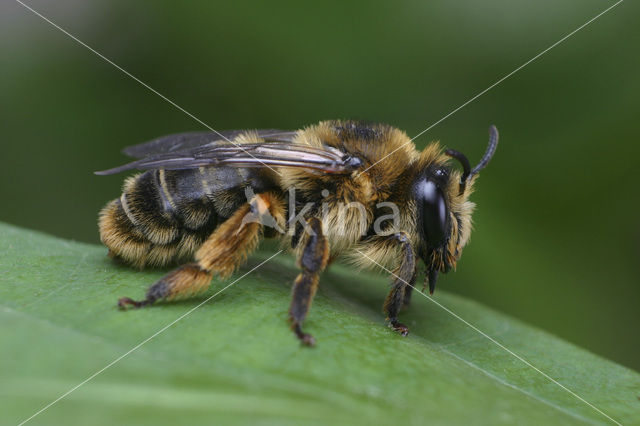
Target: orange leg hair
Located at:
point(224, 251)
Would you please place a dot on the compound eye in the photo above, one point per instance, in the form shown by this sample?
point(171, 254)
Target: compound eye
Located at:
point(433, 212)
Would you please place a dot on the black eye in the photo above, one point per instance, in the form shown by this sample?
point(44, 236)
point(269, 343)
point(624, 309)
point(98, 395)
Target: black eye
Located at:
point(433, 212)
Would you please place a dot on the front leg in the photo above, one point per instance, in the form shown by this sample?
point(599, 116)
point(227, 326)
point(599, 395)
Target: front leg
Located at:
point(313, 259)
point(402, 282)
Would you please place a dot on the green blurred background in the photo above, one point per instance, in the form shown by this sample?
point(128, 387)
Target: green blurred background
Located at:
point(557, 240)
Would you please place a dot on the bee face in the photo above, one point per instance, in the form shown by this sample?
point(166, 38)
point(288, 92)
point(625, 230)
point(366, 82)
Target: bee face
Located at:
point(435, 221)
point(443, 214)
point(433, 206)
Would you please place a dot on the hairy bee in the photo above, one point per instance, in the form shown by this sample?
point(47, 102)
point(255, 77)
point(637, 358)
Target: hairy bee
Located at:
point(335, 188)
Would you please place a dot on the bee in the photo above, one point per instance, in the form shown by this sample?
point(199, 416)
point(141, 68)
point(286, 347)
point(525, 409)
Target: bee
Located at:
point(346, 189)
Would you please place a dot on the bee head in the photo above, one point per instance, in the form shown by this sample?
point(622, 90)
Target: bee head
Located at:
point(441, 195)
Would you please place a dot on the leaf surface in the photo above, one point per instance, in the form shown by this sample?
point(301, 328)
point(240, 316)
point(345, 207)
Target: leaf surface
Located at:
point(234, 360)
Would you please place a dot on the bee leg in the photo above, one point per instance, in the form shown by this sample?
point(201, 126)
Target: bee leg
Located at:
point(404, 276)
point(407, 297)
point(185, 281)
point(312, 260)
point(225, 249)
point(123, 302)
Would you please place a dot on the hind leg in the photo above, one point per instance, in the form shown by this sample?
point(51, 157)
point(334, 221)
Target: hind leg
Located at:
point(225, 250)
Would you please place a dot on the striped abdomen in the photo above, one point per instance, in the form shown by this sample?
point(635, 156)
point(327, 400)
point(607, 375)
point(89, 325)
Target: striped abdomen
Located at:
point(164, 216)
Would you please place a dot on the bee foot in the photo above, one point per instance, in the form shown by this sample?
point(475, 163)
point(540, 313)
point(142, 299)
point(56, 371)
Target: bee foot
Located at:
point(127, 301)
point(305, 338)
point(398, 327)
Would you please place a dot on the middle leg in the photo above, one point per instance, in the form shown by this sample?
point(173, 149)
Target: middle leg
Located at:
point(313, 259)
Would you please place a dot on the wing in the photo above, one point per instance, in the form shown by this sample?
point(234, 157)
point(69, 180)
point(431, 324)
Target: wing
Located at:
point(265, 154)
point(186, 141)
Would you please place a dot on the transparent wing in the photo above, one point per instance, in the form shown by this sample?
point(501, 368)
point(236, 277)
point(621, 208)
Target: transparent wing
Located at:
point(272, 154)
point(188, 141)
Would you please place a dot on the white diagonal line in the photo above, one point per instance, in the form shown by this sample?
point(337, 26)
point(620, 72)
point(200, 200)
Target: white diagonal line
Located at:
point(140, 81)
point(500, 345)
point(145, 341)
point(497, 82)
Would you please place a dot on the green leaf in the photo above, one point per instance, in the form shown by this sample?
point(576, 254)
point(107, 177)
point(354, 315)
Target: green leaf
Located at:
point(234, 360)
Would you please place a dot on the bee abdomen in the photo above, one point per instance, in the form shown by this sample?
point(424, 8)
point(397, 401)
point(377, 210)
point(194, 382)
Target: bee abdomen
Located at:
point(145, 204)
point(154, 223)
point(122, 238)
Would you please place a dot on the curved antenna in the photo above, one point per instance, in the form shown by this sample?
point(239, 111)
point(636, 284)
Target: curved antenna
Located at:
point(491, 149)
point(466, 167)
